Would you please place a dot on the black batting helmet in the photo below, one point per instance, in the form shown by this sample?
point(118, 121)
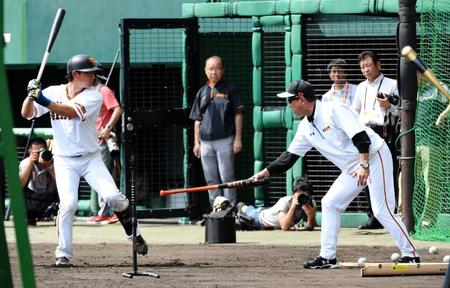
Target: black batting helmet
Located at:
point(82, 63)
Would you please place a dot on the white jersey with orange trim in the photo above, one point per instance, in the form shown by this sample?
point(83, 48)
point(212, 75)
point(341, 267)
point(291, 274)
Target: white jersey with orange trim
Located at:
point(331, 132)
point(76, 155)
point(76, 136)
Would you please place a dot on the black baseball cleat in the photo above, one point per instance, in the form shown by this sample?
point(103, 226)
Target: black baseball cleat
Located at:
point(141, 245)
point(372, 223)
point(320, 263)
point(407, 259)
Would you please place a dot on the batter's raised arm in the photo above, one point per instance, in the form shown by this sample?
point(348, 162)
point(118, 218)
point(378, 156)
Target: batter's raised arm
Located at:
point(28, 109)
point(35, 95)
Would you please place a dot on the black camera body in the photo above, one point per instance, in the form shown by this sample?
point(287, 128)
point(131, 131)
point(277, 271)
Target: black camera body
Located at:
point(304, 199)
point(45, 154)
point(392, 98)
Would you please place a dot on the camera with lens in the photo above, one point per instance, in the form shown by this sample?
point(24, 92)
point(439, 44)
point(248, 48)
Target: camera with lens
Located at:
point(303, 199)
point(113, 148)
point(393, 99)
point(45, 154)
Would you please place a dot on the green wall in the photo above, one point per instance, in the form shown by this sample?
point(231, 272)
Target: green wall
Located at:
point(90, 26)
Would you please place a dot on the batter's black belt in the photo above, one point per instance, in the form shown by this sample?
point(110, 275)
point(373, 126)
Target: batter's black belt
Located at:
point(76, 156)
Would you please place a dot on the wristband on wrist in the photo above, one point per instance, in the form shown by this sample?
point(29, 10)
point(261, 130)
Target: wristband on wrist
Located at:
point(42, 100)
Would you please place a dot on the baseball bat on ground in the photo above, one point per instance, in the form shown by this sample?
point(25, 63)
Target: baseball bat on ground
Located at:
point(409, 53)
point(235, 184)
point(51, 40)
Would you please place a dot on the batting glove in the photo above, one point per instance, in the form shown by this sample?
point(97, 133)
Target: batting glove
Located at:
point(33, 88)
point(35, 93)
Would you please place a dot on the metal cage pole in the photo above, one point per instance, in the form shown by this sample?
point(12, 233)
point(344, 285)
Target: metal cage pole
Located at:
point(127, 156)
point(408, 91)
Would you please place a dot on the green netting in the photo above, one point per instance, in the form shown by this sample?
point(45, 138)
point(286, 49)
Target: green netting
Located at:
point(431, 200)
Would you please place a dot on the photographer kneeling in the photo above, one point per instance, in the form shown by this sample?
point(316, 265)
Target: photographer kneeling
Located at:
point(287, 212)
point(37, 177)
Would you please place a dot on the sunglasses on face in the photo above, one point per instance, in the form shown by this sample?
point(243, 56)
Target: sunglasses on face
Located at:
point(292, 99)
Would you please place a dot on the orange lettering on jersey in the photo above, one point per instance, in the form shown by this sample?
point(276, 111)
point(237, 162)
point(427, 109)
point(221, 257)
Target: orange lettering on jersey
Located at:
point(326, 128)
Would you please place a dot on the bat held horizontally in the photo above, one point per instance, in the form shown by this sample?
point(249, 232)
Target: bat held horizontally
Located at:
point(235, 184)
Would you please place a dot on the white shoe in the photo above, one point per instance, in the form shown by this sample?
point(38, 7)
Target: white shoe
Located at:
point(63, 262)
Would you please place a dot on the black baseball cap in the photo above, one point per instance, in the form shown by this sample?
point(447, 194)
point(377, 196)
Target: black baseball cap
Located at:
point(297, 87)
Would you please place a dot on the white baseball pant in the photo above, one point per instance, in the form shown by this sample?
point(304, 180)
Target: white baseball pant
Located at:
point(68, 171)
point(382, 195)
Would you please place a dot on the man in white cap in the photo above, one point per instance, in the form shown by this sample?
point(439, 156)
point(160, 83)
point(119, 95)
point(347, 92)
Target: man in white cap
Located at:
point(363, 157)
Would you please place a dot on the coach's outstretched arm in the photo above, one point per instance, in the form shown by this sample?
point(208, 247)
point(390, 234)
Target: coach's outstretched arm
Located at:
point(285, 161)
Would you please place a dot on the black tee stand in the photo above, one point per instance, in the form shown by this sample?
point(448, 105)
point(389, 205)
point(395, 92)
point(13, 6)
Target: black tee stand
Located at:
point(134, 223)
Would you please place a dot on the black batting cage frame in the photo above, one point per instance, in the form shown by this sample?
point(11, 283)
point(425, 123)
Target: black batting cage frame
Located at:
point(157, 136)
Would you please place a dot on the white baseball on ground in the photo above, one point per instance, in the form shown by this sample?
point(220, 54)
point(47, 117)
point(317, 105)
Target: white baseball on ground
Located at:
point(395, 256)
point(446, 259)
point(362, 260)
point(433, 250)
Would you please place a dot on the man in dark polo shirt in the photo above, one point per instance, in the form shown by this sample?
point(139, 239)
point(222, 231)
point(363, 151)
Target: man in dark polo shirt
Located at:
point(217, 112)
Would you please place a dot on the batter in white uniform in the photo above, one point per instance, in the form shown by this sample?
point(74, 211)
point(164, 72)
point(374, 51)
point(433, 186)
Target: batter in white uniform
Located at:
point(74, 108)
point(363, 157)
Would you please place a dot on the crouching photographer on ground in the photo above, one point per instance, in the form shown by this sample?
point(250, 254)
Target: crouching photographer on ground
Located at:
point(37, 177)
point(287, 212)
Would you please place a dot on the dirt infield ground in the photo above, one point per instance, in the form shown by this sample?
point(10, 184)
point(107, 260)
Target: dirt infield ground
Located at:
point(251, 262)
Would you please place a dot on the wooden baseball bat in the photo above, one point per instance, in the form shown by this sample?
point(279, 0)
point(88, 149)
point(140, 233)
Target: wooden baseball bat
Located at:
point(235, 184)
point(409, 53)
point(51, 40)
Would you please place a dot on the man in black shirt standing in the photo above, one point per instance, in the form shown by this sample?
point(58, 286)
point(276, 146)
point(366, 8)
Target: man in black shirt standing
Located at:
point(217, 112)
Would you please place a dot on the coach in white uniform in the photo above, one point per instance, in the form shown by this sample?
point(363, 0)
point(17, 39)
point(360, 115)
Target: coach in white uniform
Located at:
point(74, 108)
point(363, 157)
